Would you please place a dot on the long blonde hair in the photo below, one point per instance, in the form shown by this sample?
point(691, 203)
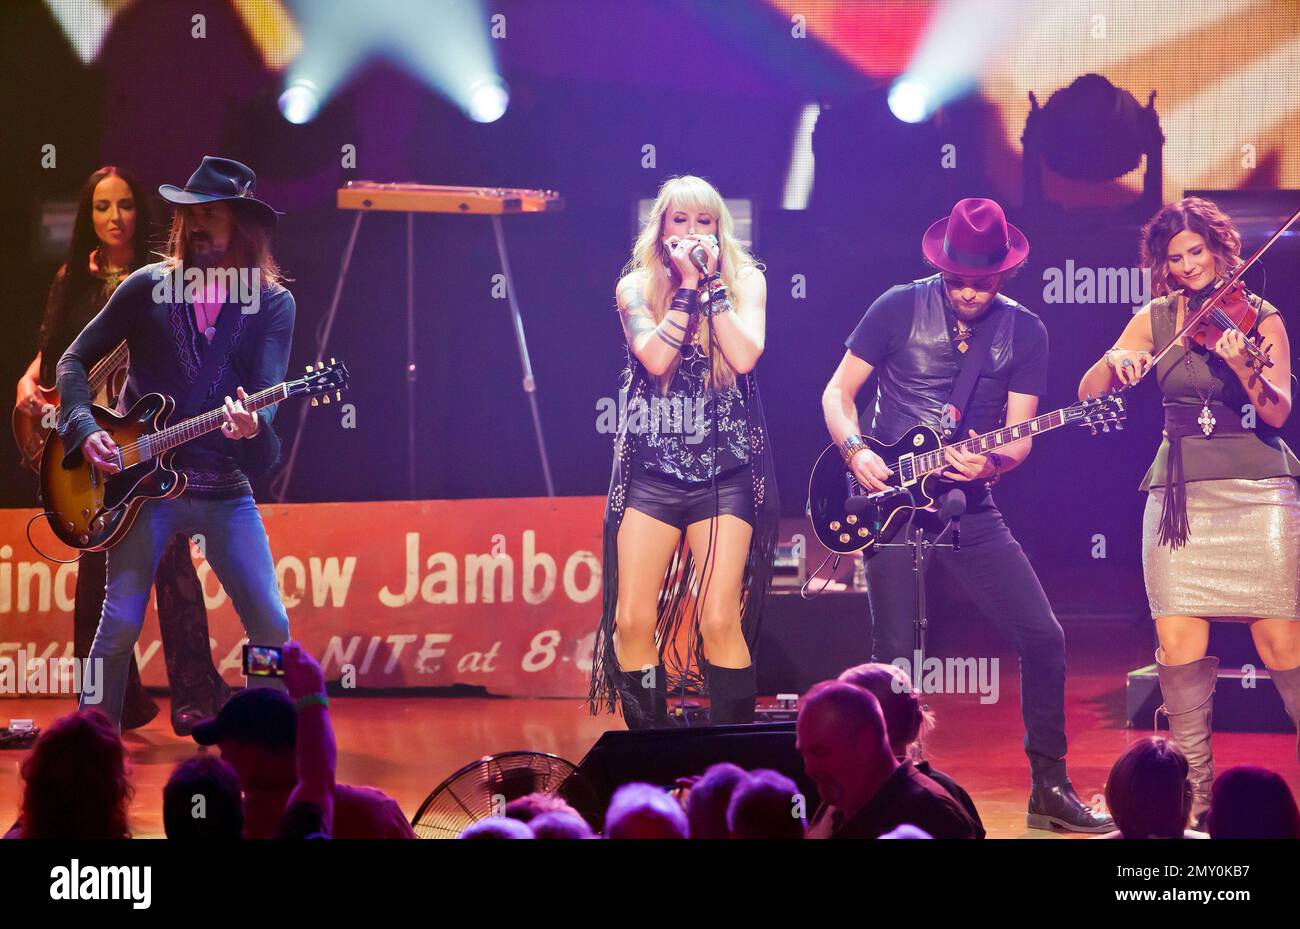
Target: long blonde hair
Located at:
point(692, 194)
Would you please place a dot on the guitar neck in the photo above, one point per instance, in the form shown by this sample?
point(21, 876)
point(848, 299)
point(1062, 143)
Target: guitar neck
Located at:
point(930, 462)
point(190, 429)
point(106, 366)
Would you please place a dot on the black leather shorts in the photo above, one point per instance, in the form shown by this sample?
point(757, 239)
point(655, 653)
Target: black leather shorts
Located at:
point(680, 504)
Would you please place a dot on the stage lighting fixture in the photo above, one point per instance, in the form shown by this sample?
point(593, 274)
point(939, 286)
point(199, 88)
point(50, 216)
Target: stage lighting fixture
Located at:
point(300, 102)
point(488, 99)
point(910, 100)
point(799, 177)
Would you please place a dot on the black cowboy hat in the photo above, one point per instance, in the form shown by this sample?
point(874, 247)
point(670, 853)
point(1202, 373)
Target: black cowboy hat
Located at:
point(221, 179)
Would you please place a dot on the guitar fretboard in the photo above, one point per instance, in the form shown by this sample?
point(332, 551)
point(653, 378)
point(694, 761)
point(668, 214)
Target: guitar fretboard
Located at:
point(106, 366)
point(187, 430)
point(929, 462)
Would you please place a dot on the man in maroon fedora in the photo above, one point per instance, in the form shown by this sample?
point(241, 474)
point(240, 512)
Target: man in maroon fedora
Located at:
point(915, 338)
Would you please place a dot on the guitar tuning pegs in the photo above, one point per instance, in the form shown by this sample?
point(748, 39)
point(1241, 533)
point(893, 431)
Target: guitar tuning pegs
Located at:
point(315, 401)
point(325, 398)
point(332, 361)
point(1119, 425)
point(309, 369)
point(320, 365)
point(338, 395)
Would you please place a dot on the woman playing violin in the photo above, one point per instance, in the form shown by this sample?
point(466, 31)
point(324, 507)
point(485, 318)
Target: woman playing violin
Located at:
point(1223, 486)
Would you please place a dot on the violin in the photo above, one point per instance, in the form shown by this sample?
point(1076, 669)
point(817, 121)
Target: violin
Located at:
point(1228, 308)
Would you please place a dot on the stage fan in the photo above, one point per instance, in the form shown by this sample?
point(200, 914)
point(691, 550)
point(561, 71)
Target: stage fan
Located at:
point(468, 795)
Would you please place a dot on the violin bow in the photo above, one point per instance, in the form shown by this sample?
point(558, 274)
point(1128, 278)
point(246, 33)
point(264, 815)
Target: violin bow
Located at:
point(1210, 304)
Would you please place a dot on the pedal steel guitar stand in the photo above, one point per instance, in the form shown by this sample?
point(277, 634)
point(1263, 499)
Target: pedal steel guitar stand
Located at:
point(369, 196)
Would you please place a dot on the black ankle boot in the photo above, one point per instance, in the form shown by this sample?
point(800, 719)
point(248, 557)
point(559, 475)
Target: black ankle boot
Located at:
point(138, 708)
point(731, 694)
point(642, 696)
point(1060, 806)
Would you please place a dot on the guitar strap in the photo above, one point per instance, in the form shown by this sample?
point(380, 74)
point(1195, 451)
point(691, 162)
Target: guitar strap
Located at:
point(972, 364)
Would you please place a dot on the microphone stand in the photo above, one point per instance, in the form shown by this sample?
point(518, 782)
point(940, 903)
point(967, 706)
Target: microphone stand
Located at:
point(920, 548)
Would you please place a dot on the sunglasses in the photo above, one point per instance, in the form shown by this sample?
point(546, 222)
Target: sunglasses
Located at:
point(983, 284)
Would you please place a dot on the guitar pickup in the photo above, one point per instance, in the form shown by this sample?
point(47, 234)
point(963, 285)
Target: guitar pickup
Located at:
point(906, 470)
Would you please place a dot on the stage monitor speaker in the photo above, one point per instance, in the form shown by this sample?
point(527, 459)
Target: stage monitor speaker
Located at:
point(661, 756)
point(802, 642)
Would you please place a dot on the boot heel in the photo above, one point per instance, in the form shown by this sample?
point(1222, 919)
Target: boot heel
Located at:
point(1038, 821)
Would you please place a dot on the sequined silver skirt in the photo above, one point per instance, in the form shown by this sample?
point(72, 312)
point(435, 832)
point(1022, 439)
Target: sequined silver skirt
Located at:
point(1243, 555)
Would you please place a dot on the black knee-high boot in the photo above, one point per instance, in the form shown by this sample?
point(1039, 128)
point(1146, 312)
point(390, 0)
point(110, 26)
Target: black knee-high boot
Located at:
point(197, 689)
point(642, 695)
point(731, 694)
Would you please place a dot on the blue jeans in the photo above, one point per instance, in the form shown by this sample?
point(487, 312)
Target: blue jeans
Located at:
point(234, 542)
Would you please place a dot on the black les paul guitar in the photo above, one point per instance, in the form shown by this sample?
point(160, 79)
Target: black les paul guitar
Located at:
point(847, 518)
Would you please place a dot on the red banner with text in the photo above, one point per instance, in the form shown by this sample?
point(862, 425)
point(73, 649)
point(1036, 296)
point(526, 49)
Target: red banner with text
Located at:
point(504, 594)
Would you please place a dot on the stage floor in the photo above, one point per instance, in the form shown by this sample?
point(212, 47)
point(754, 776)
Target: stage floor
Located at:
point(408, 745)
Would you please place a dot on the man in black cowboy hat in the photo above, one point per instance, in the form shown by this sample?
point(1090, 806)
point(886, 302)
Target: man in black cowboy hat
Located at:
point(222, 325)
point(914, 338)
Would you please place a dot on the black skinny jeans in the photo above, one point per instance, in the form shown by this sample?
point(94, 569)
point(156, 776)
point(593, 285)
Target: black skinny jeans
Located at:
point(994, 572)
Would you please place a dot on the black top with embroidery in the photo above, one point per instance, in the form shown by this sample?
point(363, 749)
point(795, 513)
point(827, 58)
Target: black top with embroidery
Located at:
point(677, 428)
point(167, 354)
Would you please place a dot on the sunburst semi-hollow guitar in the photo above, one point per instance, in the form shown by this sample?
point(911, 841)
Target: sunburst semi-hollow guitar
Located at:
point(91, 510)
point(847, 518)
point(33, 427)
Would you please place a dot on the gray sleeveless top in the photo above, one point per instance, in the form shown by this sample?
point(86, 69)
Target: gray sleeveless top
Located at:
point(1187, 377)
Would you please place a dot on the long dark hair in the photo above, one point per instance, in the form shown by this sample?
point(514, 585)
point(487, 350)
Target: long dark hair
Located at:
point(76, 781)
point(76, 291)
point(84, 241)
point(250, 244)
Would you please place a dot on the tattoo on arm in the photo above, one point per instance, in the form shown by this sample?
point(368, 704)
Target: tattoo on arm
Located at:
point(639, 323)
point(668, 339)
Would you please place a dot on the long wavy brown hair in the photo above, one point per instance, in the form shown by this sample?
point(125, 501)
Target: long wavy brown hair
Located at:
point(76, 781)
point(1193, 214)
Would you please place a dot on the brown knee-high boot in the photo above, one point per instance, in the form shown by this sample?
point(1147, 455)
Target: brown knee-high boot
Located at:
point(1188, 691)
point(1288, 688)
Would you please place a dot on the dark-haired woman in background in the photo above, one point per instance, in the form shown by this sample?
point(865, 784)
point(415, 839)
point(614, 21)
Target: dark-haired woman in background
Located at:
point(1221, 532)
point(109, 241)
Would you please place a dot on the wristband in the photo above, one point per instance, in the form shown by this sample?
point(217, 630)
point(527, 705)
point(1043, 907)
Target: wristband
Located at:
point(997, 470)
point(719, 305)
point(307, 700)
point(852, 445)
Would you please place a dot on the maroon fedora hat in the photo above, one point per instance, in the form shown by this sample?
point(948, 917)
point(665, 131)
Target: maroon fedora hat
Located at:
point(975, 239)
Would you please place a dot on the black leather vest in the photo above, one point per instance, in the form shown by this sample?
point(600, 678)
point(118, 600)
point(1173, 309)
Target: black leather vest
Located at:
point(915, 382)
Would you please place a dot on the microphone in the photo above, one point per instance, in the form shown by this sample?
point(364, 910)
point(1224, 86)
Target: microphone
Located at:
point(700, 257)
point(951, 508)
